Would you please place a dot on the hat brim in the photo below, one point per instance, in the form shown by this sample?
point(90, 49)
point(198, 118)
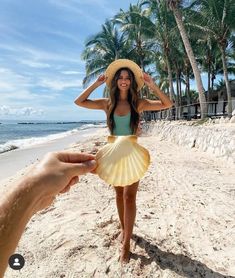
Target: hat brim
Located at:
point(124, 63)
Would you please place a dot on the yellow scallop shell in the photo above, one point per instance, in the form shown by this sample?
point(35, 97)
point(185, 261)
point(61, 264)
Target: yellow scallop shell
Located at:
point(122, 161)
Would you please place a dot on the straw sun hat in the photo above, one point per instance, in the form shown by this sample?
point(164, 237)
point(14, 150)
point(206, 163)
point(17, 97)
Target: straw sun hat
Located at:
point(124, 63)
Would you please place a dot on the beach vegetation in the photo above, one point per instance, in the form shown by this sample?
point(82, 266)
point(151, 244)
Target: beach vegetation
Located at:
point(215, 18)
point(178, 43)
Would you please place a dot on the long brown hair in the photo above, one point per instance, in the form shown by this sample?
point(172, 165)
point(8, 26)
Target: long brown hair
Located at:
point(132, 100)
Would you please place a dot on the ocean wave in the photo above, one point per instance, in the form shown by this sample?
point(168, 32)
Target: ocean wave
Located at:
point(28, 142)
point(59, 123)
point(7, 148)
point(86, 126)
point(47, 123)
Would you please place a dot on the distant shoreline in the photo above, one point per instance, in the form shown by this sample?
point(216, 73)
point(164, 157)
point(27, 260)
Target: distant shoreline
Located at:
point(20, 135)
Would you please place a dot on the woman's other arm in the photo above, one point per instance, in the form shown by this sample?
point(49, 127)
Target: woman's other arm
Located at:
point(151, 105)
point(83, 100)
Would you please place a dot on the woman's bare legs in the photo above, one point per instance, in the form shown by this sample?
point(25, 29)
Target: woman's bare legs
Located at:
point(120, 207)
point(127, 212)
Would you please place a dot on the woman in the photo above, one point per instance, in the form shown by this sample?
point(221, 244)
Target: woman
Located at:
point(123, 107)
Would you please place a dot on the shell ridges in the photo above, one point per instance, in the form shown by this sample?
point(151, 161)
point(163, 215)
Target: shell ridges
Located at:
point(122, 161)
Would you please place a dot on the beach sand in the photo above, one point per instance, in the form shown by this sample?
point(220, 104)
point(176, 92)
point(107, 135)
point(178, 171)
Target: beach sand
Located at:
point(184, 227)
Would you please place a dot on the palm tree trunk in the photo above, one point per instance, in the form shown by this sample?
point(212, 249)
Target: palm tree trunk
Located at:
point(193, 62)
point(180, 88)
point(228, 88)
point(188, 95)
point(177, 94)
point(181, 101)
point(209, 82)
point(213, 77)
point(170, 78)
point(180, 94)
point(142, 63)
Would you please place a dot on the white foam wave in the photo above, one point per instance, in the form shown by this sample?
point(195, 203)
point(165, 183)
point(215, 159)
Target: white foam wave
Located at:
point(28, 142)
point(86, 126)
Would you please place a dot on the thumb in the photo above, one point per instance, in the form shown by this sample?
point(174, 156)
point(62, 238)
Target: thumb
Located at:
point(82, 167)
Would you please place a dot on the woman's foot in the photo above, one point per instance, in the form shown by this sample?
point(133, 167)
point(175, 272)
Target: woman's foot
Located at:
point(125, 254)
point(121, 236)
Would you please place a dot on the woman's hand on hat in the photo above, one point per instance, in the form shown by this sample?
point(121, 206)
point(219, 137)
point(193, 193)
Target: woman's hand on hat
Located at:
point(148, 80)
point(101, 79)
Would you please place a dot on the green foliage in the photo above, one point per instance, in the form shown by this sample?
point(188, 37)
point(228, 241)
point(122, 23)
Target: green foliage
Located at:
point(147, 33)
point(102, 48)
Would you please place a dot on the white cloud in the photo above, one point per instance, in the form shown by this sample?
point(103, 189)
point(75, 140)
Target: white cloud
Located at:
point(16, 87)
point(34, 64)
point(64, 35)
point(8, 73)
point(71, 72)
point(24, 111)
point(41, 55)
point(13, 83)
point(7, 47)
point(28, 111)
point(16, 95)
point(5, 86)
point(60, 85)
point(36, 55)
point(4, 110)
point(103, 5)
point(75, 7)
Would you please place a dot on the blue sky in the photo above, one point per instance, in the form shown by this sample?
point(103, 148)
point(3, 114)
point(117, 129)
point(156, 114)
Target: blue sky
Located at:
point(41, 42)
point(41, 70)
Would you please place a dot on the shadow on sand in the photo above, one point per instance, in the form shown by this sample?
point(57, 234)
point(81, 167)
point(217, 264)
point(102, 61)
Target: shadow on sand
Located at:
point(180, 264)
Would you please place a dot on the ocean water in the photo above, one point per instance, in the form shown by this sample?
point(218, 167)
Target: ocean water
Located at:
point(21, 134)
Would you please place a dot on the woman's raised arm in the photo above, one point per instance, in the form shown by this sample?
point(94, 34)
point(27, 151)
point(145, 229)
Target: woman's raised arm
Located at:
point(83, 100)
point(151, 105)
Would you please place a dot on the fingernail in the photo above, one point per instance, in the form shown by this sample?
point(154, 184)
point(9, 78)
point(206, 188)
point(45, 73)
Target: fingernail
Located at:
point(91, 163)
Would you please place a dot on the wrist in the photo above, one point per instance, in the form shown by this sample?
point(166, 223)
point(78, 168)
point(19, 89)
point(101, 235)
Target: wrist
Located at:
point(154, 87)
point(29, 192)
point(96, 83)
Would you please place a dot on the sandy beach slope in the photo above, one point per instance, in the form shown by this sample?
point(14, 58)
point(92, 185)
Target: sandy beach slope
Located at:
point(185, 223)
point(13, 161)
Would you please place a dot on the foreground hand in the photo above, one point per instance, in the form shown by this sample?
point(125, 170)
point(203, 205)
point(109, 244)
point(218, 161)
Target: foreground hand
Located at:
point(35, 191)
point(56, 172)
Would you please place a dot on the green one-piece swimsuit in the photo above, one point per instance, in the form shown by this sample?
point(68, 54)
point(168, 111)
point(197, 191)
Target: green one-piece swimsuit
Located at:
point(122, 125)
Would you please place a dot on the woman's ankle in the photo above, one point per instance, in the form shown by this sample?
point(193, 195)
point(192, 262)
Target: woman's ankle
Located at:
point(121, 236)
point(126, 245)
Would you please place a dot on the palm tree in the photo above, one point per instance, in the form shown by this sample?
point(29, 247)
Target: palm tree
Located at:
point(178, 64)
point(162, 32)
point(102, 49)
point(174, 7)
point(187, 74)
point(137, 29)
point(216, 17)
point(208, 57)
